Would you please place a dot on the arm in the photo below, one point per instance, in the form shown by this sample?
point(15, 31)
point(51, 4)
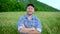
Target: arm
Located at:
point(34, 32)
point(29, 31)
point(24, 29)
point(39, 26)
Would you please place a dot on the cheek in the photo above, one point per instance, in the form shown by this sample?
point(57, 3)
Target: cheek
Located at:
point(27, 9)
point(32, 10)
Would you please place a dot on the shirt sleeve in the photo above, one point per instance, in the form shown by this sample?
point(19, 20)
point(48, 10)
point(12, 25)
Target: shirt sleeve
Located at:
point(20, 22)
point(39, 26)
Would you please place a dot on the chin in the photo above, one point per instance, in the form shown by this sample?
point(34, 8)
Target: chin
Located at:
point(30, 13)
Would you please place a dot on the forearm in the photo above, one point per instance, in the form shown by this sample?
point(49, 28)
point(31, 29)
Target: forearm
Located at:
point(29, 30)
point(34, 32)
point(26, 29)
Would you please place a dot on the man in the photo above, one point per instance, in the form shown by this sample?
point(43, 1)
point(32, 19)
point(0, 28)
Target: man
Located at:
point(29, 24)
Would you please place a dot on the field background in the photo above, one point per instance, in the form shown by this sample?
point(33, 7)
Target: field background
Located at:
point(12, 10)
point(50, 22)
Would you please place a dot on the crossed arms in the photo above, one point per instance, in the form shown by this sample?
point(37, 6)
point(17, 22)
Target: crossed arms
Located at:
point(29, 30)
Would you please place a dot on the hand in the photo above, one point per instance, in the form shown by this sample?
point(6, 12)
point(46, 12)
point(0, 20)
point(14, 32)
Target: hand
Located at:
point(33, 32)
point(27, 29)
point(24, 30)
point(31, 28)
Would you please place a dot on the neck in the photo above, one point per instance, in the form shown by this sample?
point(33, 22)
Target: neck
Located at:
point(29, 17)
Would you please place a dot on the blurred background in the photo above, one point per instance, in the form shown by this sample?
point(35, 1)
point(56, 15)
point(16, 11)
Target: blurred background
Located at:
point(48, 11)
point(20, 5)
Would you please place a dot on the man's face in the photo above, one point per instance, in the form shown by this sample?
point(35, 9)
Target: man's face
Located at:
point(30, 10)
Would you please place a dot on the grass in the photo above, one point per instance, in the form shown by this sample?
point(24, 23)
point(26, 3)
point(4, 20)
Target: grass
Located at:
point(50, 22)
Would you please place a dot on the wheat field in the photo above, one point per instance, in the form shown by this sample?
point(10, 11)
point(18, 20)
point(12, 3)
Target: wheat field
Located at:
point(50, 22)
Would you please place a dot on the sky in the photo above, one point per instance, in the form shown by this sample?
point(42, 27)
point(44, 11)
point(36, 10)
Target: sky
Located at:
point(53, 3)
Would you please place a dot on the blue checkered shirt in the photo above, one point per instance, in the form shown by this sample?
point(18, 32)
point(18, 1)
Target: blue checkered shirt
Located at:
point(33, 22)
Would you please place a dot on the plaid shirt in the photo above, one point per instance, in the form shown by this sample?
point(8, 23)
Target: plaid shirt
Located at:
point(33, 22)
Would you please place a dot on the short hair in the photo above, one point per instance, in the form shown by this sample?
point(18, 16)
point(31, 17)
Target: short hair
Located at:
point(30, 5)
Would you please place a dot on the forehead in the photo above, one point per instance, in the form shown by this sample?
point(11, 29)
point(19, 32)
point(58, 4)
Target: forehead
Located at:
point(30, 7)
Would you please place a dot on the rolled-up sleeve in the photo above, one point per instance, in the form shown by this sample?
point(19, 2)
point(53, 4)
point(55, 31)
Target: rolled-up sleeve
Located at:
point(20, 22)
point(39, 26)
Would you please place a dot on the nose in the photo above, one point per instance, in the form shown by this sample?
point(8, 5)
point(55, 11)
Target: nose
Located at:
point(30, 9)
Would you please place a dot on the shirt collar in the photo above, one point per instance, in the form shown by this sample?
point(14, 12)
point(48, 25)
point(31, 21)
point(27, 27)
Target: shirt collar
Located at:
point(26, 16)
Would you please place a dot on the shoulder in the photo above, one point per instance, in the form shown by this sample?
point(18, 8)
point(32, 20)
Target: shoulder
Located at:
point(22, 18)
point(36, 18)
